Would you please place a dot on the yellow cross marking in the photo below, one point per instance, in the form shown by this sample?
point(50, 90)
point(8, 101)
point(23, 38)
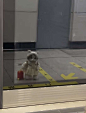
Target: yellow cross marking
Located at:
point(69, 77)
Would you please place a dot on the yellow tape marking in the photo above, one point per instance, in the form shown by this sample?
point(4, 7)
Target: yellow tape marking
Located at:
point(79, 67)
point(69, 77)
point(52, 81)
point(47, 76)
point(39, 85)
point(25, 86)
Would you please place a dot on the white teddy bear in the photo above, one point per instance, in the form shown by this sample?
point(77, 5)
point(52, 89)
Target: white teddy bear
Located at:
point(31, 66)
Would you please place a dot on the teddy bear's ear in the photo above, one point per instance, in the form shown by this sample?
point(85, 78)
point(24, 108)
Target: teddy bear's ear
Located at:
point(29, 51)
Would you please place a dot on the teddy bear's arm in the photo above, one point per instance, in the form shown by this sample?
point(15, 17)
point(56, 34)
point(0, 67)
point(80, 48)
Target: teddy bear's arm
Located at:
point(24, 66)
point(38, 65)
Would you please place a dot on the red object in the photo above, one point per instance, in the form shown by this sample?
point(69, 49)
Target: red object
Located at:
point(20, 75)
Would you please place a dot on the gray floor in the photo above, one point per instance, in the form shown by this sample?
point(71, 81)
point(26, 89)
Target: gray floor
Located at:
point(54, 61)
point(72, 110)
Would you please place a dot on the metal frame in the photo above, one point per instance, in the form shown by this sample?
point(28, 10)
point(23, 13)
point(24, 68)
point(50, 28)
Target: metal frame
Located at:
point(1, 54)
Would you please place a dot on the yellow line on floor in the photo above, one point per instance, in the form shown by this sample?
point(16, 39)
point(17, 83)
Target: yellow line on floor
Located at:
point(52, 81)
point(79, 67)
point(47, 76)
point(25, 86)
point(39, 85)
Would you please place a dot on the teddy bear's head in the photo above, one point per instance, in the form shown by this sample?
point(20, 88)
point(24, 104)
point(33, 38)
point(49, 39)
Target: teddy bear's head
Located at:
point(32, 56)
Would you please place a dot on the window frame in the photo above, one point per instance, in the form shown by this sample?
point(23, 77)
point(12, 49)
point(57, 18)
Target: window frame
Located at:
point(1, 54)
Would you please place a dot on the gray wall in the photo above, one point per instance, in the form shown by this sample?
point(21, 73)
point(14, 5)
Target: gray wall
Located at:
point(53, 23)
point(79, 21)
point(20, 20)
point(26, 20)
point(9, 20)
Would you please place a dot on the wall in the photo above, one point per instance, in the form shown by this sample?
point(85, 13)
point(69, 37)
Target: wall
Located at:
point(9, 20)
point(20, 21)
point(26, 20)
point(53, 24)
point(79, 21)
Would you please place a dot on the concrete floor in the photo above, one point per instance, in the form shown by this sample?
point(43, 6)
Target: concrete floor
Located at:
point(69, 107)
point(54, 61)
point(70, 110)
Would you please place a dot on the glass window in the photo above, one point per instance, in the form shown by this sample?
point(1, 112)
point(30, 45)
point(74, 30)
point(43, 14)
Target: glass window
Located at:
point(44, 43)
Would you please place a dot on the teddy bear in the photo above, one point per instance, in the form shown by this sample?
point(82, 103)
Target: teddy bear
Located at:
point(31, 66)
